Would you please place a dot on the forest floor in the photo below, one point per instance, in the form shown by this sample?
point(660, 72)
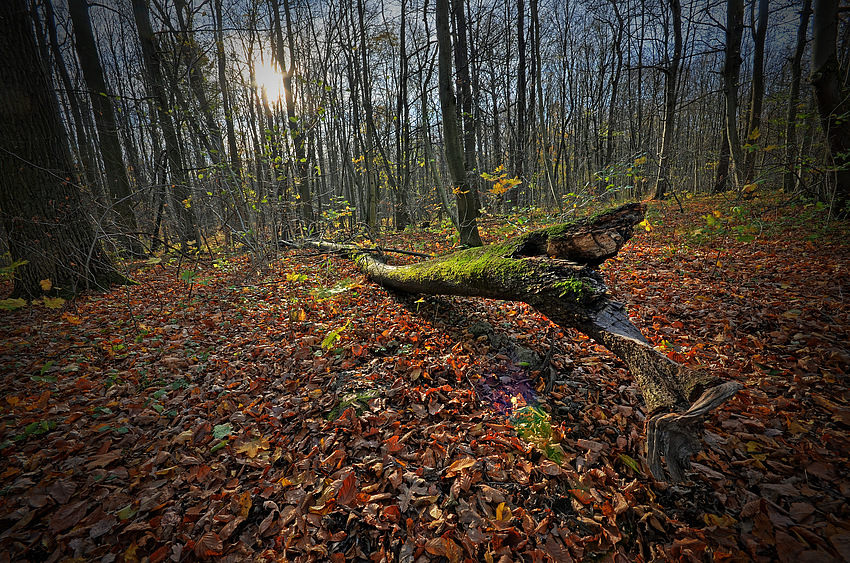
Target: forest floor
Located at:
point(300, 412)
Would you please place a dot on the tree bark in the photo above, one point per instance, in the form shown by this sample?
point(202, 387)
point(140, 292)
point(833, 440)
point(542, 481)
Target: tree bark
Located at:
point(833, 105)
point(791, 150)
point(554, 271)
point(43, 214)
point(187, 226)
point(117, 181)
point(294, 122)
point(671, 75)
point(521, 92)
point(466, 210)
point(757, 96)
point(731, 74)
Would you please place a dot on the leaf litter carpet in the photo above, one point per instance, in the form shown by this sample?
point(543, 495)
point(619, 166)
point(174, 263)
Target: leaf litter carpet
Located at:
point(301, 413)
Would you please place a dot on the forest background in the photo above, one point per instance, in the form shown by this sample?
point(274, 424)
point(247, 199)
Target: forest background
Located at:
point(184, 144)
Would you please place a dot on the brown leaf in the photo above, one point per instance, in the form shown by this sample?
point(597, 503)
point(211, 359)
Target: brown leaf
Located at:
point(841, 543)
point(61, 491)
point(103, 526)
point(208, 546)
point(252, 448)
point(67, 516)
point(460, 465)
point(557, 551)
point(230, 527)
point(436, 546)
point(453, 551)
point(801, 510)
point(787, 547)
point(549, 467)
point(103, 460)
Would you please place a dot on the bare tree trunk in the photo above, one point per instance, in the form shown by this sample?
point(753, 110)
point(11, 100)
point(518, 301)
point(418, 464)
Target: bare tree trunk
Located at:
point(521, 96)
point(117, 181)
point(731, 75)
point(671, 75)
point(753, 131)
point(235, 161)
point(545, 145)
point(402, 129)
point(833, 105)
point(295, 122)
point(50, 237)
point(84, 147)
point(721, 180)
point(466, 210)
point(791, 150)
point(187, 226)
point(464, 93)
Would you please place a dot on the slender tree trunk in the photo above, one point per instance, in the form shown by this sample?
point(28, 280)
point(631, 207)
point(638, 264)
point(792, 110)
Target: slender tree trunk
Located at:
point(187, 226)
point(831, 96)
point(451, 135)
point(671, 76)
point(521, 87)
point(464, 92)
point(789, 177)
point(235, 161)
point(402, 129)
point(295, 122)
point(117, 181)
point(545, 145)
point(731, 75)
point(371, 137)
point(84, 147)
point(44, 217)
point(757, 97)
point(721, 180)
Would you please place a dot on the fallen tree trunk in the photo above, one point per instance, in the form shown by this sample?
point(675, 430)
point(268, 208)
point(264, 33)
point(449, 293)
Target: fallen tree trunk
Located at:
point(554, 271)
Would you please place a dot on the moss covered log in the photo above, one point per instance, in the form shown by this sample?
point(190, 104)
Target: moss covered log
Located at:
point(554, 271)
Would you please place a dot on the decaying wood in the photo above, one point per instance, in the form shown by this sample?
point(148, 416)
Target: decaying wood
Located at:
point(554, 271)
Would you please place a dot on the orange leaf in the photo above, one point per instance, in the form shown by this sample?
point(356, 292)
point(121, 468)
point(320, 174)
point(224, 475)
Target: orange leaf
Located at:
point(243, 504)
point(459, 465)
point(581, 496)
point(453, 551)
point(393, 445)
point(74, 320)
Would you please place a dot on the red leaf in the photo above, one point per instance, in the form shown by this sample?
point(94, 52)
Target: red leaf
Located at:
point(347, 491)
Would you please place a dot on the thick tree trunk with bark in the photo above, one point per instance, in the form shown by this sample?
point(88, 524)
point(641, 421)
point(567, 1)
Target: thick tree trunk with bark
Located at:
point(554, 271)
point(42, 211)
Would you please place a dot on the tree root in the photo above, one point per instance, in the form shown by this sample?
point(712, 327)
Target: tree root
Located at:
point(674, 435)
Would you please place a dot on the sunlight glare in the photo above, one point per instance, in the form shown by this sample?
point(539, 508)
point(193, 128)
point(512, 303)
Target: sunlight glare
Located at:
point(268, 78)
